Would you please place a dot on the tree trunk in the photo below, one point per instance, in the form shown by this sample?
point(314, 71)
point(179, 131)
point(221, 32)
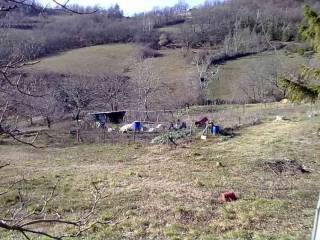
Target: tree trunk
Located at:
point(146, 108)
point(31, 120)
point(48, 122)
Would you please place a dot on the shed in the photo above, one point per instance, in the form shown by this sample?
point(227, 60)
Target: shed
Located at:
point(115, 117)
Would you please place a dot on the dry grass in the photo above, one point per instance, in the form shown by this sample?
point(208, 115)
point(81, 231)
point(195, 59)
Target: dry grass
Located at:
point(171, 69)
point(112, 58)
point(158, 193)
point(174, 29)
point(233, 116)
point(234, 72)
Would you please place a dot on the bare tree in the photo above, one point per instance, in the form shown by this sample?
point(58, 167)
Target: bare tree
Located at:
point(19, 218)
point(76, 95)
point(14, 87)
point(148, 84)
point(202, 60)
point(113, 91)
point(187, 35)
point(48, 107)
point(259, 84)
point(181, 7)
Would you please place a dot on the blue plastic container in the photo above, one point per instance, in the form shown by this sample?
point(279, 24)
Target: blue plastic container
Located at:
point(215, 130)
point(136, 126)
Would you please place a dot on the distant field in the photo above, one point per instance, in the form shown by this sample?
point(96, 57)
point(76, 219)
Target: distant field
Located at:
point(90, 60)
point(171, 68)
point(244, 69)
point(171, 29)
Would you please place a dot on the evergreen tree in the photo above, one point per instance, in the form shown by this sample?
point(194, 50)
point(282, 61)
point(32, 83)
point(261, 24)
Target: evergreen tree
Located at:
point(309, 32)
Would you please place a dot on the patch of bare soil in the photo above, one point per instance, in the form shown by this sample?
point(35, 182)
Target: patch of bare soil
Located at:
point(285, 167)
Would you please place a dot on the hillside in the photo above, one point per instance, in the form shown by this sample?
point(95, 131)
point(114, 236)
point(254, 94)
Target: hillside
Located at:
point(156, 192)
point(256, 70)
point(90, 60)
point(174, 124)
point(170, 68)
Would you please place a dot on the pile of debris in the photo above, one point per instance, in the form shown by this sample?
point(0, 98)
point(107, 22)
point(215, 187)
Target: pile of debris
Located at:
point(285, 167)
point(171, 136)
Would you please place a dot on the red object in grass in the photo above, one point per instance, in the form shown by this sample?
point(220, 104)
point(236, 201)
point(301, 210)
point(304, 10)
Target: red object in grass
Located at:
point(202, 122)
point(227, 197)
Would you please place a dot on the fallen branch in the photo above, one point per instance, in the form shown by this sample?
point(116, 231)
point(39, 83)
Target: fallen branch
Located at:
point(12, 135)
point(5, 165)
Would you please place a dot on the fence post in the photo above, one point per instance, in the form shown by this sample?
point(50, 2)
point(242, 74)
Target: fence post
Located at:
point(134, 136)
point(316, 227)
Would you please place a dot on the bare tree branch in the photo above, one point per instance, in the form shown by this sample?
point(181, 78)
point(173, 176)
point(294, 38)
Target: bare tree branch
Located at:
point(5, 165)
point(25, 223)
point(65, 7)
point(12, 135)
point(17, 3)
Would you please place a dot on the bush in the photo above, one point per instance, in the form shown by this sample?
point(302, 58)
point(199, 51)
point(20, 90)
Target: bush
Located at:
point(163, 40)
point(147, 52)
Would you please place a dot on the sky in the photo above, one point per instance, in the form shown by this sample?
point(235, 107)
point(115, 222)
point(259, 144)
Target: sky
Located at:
point(131, 6)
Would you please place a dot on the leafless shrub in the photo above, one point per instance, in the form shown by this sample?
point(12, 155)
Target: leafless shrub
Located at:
point(164, 39)
point(113, 92)
point(23, 217)
point(146, 52)
point(148, 85)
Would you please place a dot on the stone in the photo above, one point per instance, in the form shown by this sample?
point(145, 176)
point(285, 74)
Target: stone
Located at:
point(279, 118)
point(227, 197)
point(218, 164)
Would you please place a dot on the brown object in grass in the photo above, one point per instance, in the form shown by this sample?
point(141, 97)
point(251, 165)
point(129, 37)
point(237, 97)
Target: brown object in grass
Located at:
point(227, 197)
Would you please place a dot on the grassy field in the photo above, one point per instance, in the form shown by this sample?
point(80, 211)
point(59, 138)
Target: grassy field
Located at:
point(114, 58)
point(156, 192)
point(245, 70)
point(180, 77)
point(171, 68)
point(174, 29)
point(91, 60)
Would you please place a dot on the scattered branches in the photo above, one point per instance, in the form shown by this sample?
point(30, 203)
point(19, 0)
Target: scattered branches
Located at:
point(18, 217)
point(14, 4)
point(8, 189)
point(15, 65)
point(12, 135)
point(68, 9)
point(4, 165)
point(27, 222)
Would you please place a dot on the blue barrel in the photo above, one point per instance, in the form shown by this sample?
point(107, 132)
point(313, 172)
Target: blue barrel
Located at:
point(136, 126)
point(215, 130)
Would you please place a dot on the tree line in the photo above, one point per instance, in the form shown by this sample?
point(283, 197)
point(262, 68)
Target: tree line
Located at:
point(222, 23)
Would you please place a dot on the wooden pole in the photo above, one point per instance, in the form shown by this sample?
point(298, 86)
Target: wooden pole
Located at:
point(316, 226)
point(134, 136)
